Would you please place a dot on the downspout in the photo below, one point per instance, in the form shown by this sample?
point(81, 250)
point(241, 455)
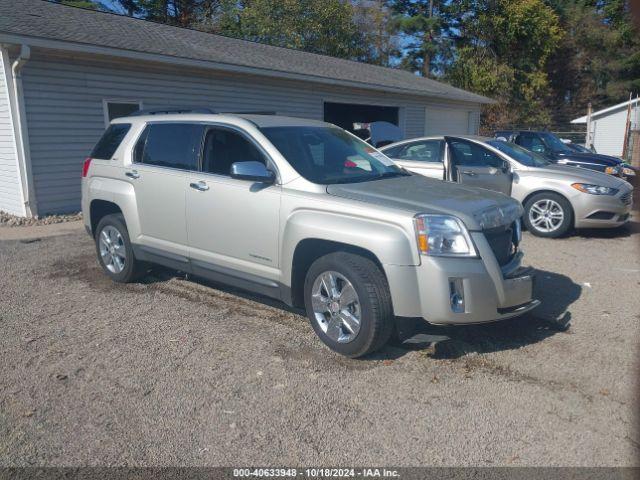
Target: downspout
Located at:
point(24, 154)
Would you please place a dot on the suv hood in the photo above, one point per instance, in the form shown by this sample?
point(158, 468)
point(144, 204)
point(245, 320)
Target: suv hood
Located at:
point(418, 194)
point(581, 175)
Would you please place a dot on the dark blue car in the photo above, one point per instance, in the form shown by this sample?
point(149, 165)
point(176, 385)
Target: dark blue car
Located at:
point(554, 149)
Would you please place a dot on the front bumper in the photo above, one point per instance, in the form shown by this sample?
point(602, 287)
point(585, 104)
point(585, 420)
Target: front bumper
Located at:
point(490, 292)
point(602, 211)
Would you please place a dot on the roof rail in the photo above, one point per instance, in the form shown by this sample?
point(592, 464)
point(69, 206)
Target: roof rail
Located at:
point(170, 110)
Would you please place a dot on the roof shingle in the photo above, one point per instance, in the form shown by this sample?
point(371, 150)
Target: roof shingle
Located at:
point(45, 20)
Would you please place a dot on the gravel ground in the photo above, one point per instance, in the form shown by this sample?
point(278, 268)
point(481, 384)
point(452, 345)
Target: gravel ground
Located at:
point(177, 372)
point(8, 220)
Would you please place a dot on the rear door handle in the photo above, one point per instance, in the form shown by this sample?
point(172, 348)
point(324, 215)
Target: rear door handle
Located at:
point(201, 186)
point(132, 174)
point(468, 172)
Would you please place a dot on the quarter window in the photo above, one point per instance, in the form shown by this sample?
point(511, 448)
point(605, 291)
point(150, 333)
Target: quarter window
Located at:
point(110, 141)
point(173, 145)
point(224, 147)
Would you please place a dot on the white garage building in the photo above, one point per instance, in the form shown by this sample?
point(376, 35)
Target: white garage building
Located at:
point(65, 72)
point(608, 126)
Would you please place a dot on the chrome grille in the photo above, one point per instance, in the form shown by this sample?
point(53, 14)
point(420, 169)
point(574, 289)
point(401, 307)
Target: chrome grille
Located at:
point(626, 198)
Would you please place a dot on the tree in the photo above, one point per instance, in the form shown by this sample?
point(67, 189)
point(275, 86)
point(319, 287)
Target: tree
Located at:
point(319, 26)
point(502, 49)
point(378, 28)
point(421, 24)
point(598, 61)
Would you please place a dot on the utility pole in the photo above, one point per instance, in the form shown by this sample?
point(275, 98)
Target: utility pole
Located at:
point(588, 141)
point(627, 124)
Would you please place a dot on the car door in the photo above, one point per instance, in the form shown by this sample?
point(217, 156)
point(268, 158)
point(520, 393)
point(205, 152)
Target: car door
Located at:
point(162, 158)
point(424, 157)
point(474, 165)
point(232, 225)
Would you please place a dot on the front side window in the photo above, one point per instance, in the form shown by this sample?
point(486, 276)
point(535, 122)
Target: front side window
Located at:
point(423, 151)
point(531, 142)
point(223, 147)
point(110, 141)
point(173, 145)
point(467, 154)
point(327, 155)
point(555, 143)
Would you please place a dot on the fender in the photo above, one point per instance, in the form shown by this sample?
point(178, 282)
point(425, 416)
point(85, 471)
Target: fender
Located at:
point(389, 242)
point(123, 195)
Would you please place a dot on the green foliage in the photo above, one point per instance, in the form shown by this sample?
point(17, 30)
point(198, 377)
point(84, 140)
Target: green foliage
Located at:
point(320, 26)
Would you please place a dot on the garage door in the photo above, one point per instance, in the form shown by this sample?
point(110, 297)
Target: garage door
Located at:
point(448, 121)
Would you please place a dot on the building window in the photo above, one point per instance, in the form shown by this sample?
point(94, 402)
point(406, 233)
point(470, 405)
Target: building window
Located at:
point(119, 108)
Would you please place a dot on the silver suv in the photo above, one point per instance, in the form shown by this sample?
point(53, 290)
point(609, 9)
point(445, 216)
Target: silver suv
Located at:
point(307, 213)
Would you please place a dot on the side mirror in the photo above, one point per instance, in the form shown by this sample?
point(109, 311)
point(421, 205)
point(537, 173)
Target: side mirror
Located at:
point(252, 171)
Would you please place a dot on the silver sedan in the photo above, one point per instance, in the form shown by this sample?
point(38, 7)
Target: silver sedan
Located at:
point(555, 198)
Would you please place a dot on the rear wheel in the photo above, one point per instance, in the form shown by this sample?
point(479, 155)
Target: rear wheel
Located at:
point(548, 214)
point(348, 303)
point(115, 253)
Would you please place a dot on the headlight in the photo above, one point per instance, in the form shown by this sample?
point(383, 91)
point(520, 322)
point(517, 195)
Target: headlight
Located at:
point(628, 171)
point(594, 189)
point(612, 170)
point(443, 235)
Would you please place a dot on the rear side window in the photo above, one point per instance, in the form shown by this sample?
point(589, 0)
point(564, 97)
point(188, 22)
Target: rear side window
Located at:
point(174, 145)
point(110, 141)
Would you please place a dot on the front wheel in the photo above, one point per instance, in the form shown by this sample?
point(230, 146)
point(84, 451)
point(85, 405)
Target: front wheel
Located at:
point(548, 214)
point(348, 303)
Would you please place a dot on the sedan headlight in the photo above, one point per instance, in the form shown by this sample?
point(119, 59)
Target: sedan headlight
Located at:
point(628, 171)
point(612, 170)
point(594, 189)
point(443, 235)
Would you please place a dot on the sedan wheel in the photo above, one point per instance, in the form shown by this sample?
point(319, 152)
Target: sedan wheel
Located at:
point(546, 215)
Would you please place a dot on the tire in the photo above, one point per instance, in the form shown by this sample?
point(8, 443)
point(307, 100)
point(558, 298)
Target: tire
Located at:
point(372, 307)
point(554, 205)
point(112, 231)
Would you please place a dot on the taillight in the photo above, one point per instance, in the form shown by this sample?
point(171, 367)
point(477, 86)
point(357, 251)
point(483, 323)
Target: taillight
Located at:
point(85, 166)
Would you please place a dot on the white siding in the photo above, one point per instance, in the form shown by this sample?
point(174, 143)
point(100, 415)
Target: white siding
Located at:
point(10, 196)
point(450, 121)
point(609, 133)
point(64, 105)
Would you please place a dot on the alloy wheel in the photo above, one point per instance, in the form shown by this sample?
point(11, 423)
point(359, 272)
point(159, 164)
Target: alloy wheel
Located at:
point(112, 249)
point(336, 307)
point(546, 215)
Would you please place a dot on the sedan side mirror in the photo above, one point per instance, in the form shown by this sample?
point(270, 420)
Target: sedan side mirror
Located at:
point(252, 171)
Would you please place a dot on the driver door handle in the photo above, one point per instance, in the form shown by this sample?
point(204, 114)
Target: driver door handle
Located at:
point(132, 174)
point(201, 186)
point(469, 172)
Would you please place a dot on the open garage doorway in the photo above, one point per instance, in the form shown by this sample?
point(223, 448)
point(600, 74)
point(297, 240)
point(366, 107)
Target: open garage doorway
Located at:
point(345, 115)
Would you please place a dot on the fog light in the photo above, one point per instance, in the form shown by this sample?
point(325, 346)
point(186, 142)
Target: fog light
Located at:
point(456, 295)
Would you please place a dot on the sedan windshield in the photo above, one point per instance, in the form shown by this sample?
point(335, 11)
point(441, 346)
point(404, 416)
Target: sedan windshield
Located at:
point(327, 155)
point(519, 154)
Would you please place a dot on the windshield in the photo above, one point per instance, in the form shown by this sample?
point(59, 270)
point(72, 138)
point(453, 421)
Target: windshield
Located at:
point(327, 155)
point(555, 143)
point(519, 154)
